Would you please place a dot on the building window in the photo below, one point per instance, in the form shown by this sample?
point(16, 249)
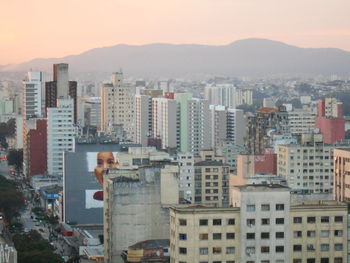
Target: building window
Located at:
point(182, 222)
point(338, 219)
point(203, 251)
point(311, 233)
point(297, 248)
point(183, 250)
point(216, 250)
point(338, 260)
point(338, 233)
point(324, 247)
point(230, 235)
point(338, 247)
point(250, 250)
point(203, 236)
point(265, 235)
point(311, 260)
point(250, 235)
point(310, 247)
point(203, 222)
point(297, 220)
point(297, 234)
point(265, 249)
point(230, 250)
point(216, 222)
point(279, 221)
point(279, 234)
point(250, 222)
point(324, 219)
point(279, 249)
point(297, 260)
point(182, 236)
point(216, 236)
point(279, 207)
point(250, 208)
point(311, 219)
point(231, 221)
point(265, 207)
point(265, 221)
point(324, 260)
point(324, 233)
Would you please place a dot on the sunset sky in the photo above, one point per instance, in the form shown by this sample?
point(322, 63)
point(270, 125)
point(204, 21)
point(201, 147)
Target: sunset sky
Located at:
point(47, 28)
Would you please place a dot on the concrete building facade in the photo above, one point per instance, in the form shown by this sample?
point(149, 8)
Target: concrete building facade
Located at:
point(60, 134)
point(117, 106)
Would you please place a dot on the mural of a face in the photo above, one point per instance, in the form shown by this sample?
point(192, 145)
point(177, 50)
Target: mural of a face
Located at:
point(104, 160)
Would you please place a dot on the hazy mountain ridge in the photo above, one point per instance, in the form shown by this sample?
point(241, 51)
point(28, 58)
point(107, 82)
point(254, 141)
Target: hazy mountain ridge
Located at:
point(249, 57)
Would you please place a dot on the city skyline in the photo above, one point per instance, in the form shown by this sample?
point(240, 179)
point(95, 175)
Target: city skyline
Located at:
point(39, 29)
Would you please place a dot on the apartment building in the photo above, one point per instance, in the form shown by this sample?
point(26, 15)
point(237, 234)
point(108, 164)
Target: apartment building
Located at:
point(301, 121)
point(211, 180)
point(194, 126)
point(221, 94)
point(117, 106)
point(341, 190)
point(186, 177)
point(261, 226)
point(307, 166)
point(60, 134)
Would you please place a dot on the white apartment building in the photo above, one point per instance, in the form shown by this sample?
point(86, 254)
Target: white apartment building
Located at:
point(308, 166)
point(199, 134)
point(186, 176)
point(244, 97)
point(164, 116)
point(221, 94)
point(117, 106)
point(227, 124)
point(264, 219)
point(60, 134)
point(33, 95)
point(302, 121)
point(143, 119)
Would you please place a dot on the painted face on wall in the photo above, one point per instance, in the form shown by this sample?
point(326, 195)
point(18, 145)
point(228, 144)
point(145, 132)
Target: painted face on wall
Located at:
point(104, 160)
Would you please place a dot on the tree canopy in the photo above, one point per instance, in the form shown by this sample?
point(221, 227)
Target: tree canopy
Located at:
point(32, 248)
point(11, 200)
point(15, 157)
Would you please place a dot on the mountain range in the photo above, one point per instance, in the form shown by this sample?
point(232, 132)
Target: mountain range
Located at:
point(248, 57)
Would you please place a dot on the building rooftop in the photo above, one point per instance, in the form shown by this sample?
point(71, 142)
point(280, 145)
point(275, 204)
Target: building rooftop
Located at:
point(151, 244)
point(267, 110)
point(262, 187)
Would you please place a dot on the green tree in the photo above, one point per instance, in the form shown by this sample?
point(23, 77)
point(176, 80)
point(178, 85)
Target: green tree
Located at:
point(32, 248)
point(11, 200)
point(15, 157)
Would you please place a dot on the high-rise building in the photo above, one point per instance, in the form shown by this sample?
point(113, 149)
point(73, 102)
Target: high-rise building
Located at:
point(330, 120)
point(307, 166)
point(186, 177)
point(341, 190)
point(165, 123)
point(117, 106)
point(60, 88)
point(194, 131)
point(227, 124)
point(35, 147)
point(301, 121)
point(33, 94)
point(60, 134)
point(260, 127)
point(221, 94)
point(244, 97)
point(211, 180)
point(262, 226)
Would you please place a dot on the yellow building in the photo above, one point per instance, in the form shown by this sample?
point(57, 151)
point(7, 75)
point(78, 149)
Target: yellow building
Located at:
point(202, 234)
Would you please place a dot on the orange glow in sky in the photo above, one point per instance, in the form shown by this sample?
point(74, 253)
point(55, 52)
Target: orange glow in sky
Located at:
point(46, 28)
